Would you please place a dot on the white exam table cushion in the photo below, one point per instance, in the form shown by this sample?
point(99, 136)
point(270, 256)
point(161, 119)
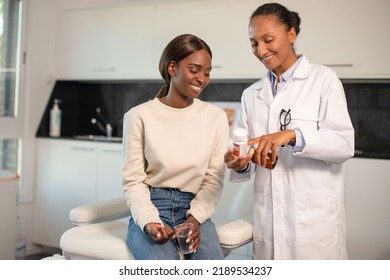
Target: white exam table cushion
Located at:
point(106, 241)
point(101, 211)
point(236, 233)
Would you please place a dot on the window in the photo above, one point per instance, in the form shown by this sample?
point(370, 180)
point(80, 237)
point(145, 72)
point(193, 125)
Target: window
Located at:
point(10, 121)
point(9, 42)
point(9, 154)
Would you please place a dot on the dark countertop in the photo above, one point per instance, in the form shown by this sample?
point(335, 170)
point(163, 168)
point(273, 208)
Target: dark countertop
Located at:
point(89, 138)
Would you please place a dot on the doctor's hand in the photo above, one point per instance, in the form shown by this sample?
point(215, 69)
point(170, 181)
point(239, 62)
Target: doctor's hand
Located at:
point(159, 233)
point(267, 145)
point(238, 163)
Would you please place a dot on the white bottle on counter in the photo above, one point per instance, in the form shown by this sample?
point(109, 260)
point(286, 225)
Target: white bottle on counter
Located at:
point(55, 119)
point(240, 140)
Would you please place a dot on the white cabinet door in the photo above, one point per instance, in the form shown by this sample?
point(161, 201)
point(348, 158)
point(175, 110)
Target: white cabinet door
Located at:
point(66, 178)
point(109, 176)
point(368, 194)
point(351, 37)
point(223, 25)
point(332, 33)
point(109, 43)
point(127, 42)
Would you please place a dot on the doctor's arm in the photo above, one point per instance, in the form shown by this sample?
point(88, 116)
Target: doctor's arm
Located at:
point(333, 141)
point(267, 145)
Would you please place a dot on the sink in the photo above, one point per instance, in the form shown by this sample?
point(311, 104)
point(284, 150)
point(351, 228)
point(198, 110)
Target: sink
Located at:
point(100, 138)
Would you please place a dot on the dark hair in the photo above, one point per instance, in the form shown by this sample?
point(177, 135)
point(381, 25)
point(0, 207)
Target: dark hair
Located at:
point(285, 16)
point(177, 49)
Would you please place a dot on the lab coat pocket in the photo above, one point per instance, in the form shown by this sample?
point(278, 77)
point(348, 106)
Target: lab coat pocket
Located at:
point(316, 216)
point(259, 217)
point(304, 117)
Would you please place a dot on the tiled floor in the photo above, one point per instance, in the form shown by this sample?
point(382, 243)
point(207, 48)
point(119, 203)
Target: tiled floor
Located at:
point(44, 252)
point(243, 253)
point(37, 256)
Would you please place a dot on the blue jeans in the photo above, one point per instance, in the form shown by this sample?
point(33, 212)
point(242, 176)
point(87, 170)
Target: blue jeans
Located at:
point(172, 206)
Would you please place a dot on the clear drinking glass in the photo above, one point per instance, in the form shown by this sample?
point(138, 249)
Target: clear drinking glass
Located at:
point(182, 234)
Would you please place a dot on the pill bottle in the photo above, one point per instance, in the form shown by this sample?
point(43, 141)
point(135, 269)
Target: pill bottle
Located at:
point(269, 164)
point(240, 145)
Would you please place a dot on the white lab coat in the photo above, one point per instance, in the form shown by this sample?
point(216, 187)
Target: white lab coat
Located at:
point(299, 207)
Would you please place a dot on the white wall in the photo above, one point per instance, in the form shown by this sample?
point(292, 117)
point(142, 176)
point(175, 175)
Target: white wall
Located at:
point(40, 65)
point(368, 207)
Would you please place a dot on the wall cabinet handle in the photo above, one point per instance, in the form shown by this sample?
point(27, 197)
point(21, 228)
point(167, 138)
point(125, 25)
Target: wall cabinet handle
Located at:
point(339, 65)
point(112, 151)
point(108, 69)
point(83, 149)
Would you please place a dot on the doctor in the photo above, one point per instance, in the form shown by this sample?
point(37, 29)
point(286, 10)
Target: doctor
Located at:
point(297, 116)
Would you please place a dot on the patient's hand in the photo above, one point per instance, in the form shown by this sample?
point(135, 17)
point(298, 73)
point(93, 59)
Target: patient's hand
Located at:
point(159, 233)
point(194, 237)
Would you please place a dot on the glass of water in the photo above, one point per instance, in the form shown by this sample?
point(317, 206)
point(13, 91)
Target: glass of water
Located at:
point(182, 234)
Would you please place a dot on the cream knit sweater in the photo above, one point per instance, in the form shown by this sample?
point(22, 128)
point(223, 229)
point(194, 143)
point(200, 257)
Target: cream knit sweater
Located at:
point(165, 147)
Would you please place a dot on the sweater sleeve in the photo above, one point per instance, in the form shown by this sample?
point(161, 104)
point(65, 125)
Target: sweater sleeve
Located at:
point(204, 203)
point(135, 191)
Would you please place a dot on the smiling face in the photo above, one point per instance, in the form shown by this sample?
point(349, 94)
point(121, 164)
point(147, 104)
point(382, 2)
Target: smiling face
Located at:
point(272, 43)
point(189, 76)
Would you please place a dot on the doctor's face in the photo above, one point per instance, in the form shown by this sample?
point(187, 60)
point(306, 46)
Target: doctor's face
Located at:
point(272, 43)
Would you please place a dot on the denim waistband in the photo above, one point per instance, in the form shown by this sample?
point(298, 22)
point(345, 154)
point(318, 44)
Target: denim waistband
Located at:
point(170, 190)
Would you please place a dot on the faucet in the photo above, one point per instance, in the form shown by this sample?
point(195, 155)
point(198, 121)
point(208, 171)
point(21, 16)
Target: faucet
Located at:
point(107, 129)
